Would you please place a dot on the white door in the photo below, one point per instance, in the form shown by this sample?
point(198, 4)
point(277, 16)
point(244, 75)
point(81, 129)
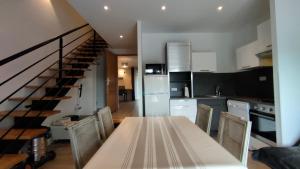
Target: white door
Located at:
point(157, 105)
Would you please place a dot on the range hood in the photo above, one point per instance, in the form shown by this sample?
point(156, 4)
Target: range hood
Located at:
point(265, 54)
point(265, 58)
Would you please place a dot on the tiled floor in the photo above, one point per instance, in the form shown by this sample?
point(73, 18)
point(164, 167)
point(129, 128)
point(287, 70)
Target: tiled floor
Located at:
point(63, 151)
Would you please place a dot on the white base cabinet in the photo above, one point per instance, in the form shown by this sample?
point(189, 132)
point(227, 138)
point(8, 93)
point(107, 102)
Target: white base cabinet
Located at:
point(184, 107)
point(204, 62)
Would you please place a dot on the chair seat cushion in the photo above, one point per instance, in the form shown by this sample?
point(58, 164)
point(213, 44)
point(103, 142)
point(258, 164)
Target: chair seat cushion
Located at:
point(279, 157)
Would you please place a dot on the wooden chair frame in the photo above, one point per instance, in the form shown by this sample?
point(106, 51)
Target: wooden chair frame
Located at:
point(246, 133)
point(74, 142)
point(207, 110)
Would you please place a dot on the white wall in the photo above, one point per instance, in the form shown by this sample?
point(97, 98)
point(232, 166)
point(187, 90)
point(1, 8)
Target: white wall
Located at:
point(125, 78)
point(27, 23)
point(222, 43)
point(286, 58)
point(86, 104)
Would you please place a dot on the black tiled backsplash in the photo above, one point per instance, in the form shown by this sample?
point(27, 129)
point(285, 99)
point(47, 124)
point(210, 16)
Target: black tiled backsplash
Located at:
point(256, 83)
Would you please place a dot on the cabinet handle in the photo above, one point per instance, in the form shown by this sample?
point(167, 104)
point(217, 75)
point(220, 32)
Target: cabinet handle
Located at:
point(269, 46)
point(246, 67)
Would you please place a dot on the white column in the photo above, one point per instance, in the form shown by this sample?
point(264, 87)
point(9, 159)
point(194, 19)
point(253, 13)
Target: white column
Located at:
point(140, 68)
point(285, 16)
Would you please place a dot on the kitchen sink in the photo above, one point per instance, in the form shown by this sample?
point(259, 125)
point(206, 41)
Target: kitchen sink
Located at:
point(214, 96)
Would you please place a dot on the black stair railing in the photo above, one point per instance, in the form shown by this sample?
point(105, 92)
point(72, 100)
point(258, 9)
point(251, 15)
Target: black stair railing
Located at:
point(33, 48)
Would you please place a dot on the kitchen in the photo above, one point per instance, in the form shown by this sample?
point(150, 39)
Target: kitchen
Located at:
point(226, 71)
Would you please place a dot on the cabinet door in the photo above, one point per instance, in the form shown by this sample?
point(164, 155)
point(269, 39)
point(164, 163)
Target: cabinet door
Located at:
point(204, 62)
point(246, 56)
point(240, 52)
point(184, 107)
point(264, 35)
point(251, 58)
point(179, 57)
point(157, 105)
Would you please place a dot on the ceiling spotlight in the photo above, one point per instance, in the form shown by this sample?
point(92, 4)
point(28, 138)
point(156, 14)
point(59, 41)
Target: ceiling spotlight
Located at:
point(106, 7)
point(163, 8)
point(124, 65)
point(220, 8)
point(121, 36)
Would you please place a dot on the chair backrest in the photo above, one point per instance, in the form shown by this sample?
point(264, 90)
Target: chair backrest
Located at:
point(204, 117)
point(234, 135)
point(85, 140)
point(105, 122)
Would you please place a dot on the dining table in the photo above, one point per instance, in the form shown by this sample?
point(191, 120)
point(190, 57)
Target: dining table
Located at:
point(161, 143)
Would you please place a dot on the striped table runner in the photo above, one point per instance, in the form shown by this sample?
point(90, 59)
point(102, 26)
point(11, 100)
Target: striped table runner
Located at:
point(158, 142)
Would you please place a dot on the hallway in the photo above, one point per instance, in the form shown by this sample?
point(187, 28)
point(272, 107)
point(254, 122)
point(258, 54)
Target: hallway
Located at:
point(126, 109)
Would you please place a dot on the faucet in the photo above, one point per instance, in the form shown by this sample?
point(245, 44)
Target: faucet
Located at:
point(218, 90)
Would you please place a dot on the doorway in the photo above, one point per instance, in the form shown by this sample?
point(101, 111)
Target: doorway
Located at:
point(127, 80)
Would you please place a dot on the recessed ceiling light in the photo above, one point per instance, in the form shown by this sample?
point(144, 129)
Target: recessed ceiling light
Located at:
point(106, 7)
point(220, 8)
point(121, 36)
point(163, 8)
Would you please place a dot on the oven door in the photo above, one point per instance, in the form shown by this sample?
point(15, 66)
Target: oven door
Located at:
point(263, 126)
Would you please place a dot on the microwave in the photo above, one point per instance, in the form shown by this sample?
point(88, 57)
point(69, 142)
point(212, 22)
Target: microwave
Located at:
point(158, 69)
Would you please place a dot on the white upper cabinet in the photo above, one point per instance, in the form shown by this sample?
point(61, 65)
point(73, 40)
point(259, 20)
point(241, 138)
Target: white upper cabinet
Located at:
point(264, 36)
point(204, 62)
point(246, 56)
point(179, 56)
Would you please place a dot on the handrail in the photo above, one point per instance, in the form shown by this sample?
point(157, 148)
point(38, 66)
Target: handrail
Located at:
point(60, 79)
point(26, 51)
point(36, 75)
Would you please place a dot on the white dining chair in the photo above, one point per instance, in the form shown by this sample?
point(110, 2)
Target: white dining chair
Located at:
point(234, 135)
point(85, 140)
point(204, 117)
point(106, 123)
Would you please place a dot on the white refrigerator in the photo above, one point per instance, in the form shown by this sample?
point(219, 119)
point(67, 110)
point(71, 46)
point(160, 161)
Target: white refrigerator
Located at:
point(157, 95)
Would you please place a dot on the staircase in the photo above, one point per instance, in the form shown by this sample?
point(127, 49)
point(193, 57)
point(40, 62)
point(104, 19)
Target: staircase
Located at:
point(27, 123)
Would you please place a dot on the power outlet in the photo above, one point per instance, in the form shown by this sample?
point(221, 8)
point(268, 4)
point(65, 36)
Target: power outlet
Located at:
point(262, 78)
point(174, 89)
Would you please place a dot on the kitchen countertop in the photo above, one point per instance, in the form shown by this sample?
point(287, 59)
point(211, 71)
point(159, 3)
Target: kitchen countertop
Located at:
point(210, 97)
point(239, 98)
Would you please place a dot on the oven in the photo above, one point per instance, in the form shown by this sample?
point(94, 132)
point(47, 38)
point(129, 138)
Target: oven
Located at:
point(263, 123)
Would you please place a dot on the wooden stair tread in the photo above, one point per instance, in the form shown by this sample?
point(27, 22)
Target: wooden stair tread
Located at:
point(78, 57)
point(13, 134)
point(31, 133)
point(8, 161)
point(64, 77)
point(2, 132)
point(32, 113)
point(64, 86)
point(68, 69)
point(85, 63)
point(39, 98)
point(24, 134)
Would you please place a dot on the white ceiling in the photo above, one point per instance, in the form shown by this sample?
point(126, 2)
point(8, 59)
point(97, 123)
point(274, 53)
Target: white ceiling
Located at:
point(180, 16)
